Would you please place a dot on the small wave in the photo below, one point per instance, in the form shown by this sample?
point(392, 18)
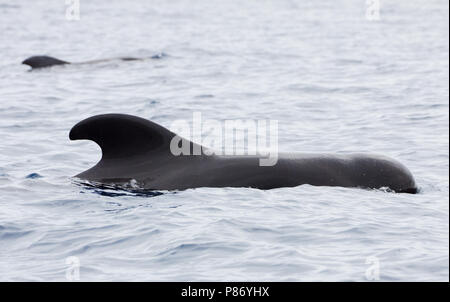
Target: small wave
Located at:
point(130, 188)
point(159, 55)
point(33, 176)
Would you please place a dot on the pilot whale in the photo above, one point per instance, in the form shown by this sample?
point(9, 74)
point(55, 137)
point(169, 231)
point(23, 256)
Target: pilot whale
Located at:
point(136, 149)
point(46, 61)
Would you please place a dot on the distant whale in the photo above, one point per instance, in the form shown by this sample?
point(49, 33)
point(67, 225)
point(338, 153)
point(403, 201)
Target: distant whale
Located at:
point(135, 149)
point(46, 61)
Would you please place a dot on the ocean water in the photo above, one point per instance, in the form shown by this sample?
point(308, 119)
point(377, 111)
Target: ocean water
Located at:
point(336, 81)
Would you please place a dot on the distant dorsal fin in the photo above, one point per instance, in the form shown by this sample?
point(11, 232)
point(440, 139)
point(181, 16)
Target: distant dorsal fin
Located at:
point(123, 136)
point(43, 61)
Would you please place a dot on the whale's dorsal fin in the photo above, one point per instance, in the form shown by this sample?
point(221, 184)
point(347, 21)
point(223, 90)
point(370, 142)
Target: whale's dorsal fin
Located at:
point(43, 61)
point(123, 136)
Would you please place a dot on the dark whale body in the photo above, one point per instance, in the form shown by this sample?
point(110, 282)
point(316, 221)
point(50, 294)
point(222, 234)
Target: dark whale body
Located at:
point(137, 149)
point(43, 61)
point(46, 61)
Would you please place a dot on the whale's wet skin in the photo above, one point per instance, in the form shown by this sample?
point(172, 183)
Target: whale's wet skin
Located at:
point(336, 82)
point(136, 149)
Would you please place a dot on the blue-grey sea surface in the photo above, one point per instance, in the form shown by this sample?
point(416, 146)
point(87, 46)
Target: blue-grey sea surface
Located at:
point(335, 78)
